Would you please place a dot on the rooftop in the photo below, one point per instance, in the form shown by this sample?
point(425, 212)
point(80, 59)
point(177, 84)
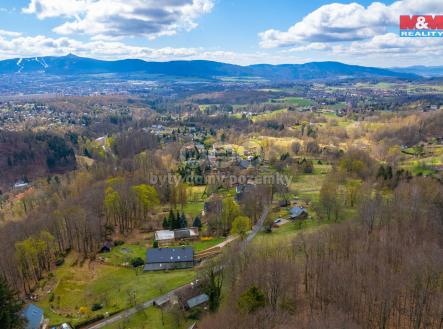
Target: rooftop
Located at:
point(198, 300)
point(34, 316)
point(170, 255)
point(164, 235)
point(297, 211)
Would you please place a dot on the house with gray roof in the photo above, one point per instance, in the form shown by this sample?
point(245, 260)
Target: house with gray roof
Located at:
point(162, 259)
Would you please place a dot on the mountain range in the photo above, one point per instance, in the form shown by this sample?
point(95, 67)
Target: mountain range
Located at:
point(74, 65)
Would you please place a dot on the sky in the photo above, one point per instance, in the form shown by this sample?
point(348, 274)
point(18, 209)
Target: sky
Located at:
point(243, 32)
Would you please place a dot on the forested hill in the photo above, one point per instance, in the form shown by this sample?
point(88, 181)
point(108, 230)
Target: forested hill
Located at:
point(74, 65)
point(28, 155)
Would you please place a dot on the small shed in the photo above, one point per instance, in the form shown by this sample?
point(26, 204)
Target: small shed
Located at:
point(20, 185)
point(298, 213)
point(34, 316)
point(164, 236)
point(196, 301)
point(186, 233)
point(161, 301)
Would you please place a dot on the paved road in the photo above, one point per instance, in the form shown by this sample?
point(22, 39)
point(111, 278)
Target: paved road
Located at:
point(257, 228)
point(131, 311)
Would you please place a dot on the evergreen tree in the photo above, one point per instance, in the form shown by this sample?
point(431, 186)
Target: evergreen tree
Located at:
point(166, 224)
point(171, 220)
point(176, 222)
point(389, 173)
point(197, 222)
point(10, 308)
point(183, 221)
point(381, 172)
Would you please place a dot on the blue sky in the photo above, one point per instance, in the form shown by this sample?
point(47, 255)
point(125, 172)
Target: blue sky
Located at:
point(237, 31)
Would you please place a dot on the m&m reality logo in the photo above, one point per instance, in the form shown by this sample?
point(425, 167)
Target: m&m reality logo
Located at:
point(421, 26)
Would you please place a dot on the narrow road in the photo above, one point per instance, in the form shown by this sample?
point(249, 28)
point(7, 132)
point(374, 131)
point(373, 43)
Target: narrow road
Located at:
point(257, 227)
point(131, 311)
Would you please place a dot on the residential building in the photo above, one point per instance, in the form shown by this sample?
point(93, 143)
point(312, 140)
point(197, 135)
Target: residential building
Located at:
point(161, 259)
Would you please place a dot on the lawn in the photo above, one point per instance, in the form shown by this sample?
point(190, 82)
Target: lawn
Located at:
point(202, 245)
point(206, 244)
point(286, 232)
point(193, 209)
point(150, 318)
point(83, 286)
point(125, 253)
point(307, 186)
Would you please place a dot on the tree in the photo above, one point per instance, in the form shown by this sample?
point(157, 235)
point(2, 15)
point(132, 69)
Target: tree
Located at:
point(171, 219)
point(176, 221)
point(329, 197)
point(251, 300)
point(183, 221)
point(147, 198)
point(230, 210)
point(381, 172)
point(166, 224)
point(296, 147)
point(10, 307)
point(197, 222)
point(352, 190)
point(241, 225)
point(212, 282)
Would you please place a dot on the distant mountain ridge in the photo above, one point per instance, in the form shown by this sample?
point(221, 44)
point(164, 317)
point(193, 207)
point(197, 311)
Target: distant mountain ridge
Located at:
point(425, 71)
point(74, 65)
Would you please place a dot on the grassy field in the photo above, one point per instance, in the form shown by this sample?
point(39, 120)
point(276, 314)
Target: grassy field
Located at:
point(285, 233)
point(83, 286)
point(297, 101)
point(307, 186)
point(125, 253)
point(268, 116)
point(423, 161)
point(206, 244)
point(192, 209)
point(151, 318)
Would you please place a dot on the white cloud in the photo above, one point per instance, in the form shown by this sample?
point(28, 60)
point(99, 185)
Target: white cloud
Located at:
point(121, 18)
point(9, 33)
point(346, 22)
point(316, 46)
point(392, 44)
point(27, 46)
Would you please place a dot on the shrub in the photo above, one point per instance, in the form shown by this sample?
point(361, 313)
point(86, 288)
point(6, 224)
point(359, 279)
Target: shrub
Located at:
point(136, 262)
point(155, 244)
point(118, 243)
point(60, 261)
point(83, 310)
point(251, 300)
point(96, 307)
